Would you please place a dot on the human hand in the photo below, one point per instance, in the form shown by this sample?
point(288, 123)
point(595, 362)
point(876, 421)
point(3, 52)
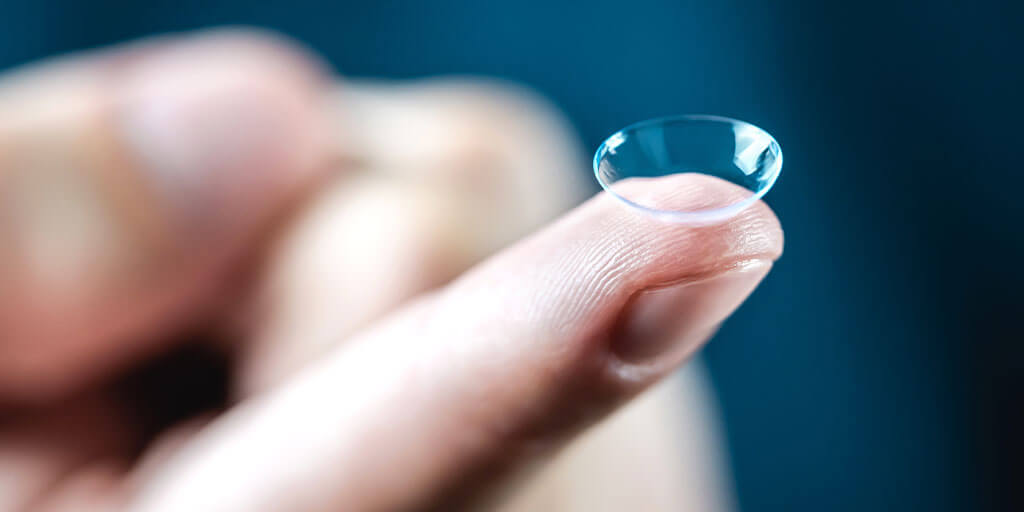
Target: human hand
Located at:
point(140, 188)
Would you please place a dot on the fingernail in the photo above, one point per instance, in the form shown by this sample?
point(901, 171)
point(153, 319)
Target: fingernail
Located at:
point(678, 318)
point(216, 133)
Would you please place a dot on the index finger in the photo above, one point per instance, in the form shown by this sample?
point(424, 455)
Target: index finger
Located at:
point(464, 387)
point(130, 182)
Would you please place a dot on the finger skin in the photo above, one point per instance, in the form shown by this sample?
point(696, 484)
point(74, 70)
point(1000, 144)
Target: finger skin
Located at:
point(660, 452)
point(442, 183)
point(130, 182)
point(463, 387)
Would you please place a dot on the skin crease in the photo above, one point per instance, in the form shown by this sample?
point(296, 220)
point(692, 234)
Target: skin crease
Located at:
point(369, 405)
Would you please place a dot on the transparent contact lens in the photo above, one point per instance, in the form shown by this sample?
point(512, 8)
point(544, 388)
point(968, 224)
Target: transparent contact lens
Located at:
point(732, 150)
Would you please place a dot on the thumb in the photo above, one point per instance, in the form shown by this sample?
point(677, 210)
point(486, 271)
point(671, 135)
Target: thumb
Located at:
point(129, 182)
point(463, 387)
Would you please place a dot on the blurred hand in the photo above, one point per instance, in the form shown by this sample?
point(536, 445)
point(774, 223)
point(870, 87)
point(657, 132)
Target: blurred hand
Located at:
point(222, 183)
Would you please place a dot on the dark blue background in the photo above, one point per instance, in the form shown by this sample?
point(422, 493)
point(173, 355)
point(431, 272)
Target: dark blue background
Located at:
point(880, 365)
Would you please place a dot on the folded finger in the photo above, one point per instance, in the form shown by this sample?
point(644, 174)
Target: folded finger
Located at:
point(129, 179)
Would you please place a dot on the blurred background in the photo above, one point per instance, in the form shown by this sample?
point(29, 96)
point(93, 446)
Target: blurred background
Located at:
point(880, 365)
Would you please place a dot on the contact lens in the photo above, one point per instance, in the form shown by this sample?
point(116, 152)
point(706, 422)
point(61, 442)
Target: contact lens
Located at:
point(732, 150)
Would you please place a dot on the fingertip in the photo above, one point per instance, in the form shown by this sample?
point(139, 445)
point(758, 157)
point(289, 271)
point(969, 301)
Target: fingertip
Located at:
point(752, 230)
point(607, 300)
point(594, 259)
